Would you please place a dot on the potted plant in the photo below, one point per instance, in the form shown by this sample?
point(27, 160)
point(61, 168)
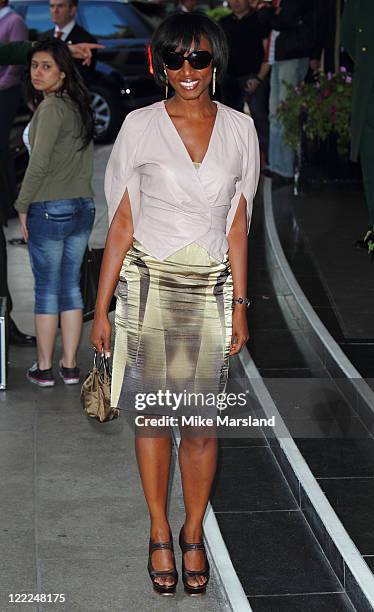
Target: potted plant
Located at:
point(316, 119)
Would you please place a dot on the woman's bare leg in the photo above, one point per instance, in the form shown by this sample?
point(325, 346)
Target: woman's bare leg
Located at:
point(71, 329)
point(46, 329)
point(154, 457)
point(198, 461)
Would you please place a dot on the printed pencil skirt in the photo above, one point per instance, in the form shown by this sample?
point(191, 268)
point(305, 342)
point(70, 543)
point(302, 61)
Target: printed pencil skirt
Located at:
point(173, 325)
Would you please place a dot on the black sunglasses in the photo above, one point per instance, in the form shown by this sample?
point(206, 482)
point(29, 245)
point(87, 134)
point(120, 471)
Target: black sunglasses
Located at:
point(197, 59)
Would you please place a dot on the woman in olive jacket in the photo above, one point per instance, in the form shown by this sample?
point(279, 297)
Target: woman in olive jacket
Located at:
point(55, 204)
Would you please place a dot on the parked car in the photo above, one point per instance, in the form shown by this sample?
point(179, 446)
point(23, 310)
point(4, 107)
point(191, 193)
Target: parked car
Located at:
point(122, 79)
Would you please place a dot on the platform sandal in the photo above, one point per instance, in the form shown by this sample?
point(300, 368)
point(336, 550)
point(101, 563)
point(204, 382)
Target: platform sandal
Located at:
point(162, 589)
point(189, 589)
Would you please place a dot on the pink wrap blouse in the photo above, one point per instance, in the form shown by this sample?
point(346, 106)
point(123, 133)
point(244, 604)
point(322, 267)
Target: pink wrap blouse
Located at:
point(173, 204)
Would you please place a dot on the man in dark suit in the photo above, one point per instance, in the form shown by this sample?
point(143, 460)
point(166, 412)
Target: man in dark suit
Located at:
point(63, 14)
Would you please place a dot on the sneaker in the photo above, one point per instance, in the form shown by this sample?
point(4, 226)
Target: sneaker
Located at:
point(42, 378)
point(70, 376)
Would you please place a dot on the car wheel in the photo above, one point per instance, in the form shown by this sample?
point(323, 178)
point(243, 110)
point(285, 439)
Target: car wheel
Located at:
point(107, 114)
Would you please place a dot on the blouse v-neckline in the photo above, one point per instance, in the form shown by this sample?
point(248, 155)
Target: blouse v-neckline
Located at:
point(212, 135)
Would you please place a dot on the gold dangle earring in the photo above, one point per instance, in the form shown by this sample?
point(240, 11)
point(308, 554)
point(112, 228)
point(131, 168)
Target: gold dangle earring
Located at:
point(214, 81)
point(166, 84)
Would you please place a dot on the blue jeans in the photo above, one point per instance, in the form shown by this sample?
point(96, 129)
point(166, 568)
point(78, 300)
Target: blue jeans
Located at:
point(58, 237)
point(281, 156)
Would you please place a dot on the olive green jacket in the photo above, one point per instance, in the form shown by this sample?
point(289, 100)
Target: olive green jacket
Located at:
point(60, 168)
point(14, 52)
point(357, 38)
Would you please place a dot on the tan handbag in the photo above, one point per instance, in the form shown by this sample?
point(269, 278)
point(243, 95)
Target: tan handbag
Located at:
point(95, 391)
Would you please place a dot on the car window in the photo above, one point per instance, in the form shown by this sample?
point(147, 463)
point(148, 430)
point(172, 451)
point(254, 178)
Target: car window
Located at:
point(38, 19)
point(19, 8)
point(108, 20)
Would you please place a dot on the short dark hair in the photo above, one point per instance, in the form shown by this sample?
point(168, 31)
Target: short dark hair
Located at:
point(182, 29)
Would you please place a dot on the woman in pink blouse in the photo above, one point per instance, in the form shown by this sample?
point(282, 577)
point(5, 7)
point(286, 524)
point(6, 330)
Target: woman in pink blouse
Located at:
point(180, 184)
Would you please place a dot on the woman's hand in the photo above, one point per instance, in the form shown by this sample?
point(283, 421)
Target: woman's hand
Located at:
point(101, 334)
point(240, 332)
point(314, 65)
point(251, 86)
point(22, 221)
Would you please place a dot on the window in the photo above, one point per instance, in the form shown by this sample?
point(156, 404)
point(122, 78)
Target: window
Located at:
point(19, 8)
point(38, 19)
point(107, 20)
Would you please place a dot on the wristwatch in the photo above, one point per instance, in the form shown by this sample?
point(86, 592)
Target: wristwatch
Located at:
point(241, 300)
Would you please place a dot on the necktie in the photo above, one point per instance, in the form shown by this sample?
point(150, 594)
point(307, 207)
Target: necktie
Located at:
point(58, 34)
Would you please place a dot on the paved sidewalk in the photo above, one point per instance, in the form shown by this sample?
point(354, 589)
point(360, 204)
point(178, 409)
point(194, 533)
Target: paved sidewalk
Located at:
point(73, 517)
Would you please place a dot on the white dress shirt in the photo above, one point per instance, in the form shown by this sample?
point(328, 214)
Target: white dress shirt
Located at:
point(65, 30)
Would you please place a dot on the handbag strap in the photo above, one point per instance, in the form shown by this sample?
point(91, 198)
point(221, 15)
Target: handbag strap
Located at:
point(101, 361)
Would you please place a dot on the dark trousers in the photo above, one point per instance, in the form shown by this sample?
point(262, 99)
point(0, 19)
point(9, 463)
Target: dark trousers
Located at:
point(4, 291)
point(234, 95)
point(9, 102)
point(367, 160)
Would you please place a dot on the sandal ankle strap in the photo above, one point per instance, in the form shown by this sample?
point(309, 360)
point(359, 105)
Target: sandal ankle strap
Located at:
point(160, 546)
point(187, 546)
